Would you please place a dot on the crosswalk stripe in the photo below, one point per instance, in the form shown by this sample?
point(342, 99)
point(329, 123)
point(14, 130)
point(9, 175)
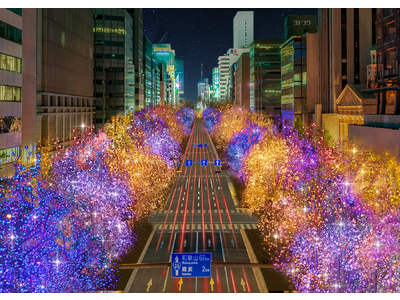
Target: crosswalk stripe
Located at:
point(187, 226)
point(199, 226)
point(242, 226)
point(205, 226)
point(232, 211)
point(176, 226)
point(248, 226)
point(235, 225)
point(215, 211)
point(160, 227)
point(217, 226)
point(199, 211)
point(170, 226)
point(254, 226)
point(181, 211)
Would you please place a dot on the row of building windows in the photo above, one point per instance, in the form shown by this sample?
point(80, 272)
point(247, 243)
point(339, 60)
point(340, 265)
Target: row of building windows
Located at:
point(9, 155)
point(108, 30)
point(115, 56)
point(10, 93)
point(108, 17)
point(100, 69)
point(10, 124)
point(10, 33)
point(17, 11)
point(10, 63)
point(109, 43)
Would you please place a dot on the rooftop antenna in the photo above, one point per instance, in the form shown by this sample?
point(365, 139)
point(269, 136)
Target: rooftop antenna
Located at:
point(201, 71)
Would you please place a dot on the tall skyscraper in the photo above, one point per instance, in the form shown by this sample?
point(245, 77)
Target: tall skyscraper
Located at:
point(243, 29)
point(346, 36)
point(114, 72)
point(180, 77)
point(17, 86)
point(137, 36)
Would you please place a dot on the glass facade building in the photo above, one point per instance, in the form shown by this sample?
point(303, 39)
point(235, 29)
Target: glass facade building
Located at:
point(265, 75)
point(114, 72)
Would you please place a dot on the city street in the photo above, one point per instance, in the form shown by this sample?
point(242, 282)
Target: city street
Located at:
point(200, 216)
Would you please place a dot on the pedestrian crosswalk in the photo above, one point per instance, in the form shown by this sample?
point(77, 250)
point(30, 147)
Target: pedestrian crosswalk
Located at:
point(206, 226)
point(206, 211)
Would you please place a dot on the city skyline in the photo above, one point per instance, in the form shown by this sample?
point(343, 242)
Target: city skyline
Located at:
point(217, 33)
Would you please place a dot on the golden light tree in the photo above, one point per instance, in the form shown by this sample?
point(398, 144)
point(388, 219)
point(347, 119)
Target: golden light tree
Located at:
point(232, 121)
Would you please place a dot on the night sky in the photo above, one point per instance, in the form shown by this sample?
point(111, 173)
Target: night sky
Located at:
point(201, 35)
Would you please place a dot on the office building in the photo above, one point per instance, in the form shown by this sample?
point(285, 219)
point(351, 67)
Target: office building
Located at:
point(149, 84)
point(242, 86)
point(138, 61)
point(64, 74)
point(113, 69)
point(299, 73)
point(346, 36)
point(265, 76)
point(180, 77)
point(215, 84)
point(223, 68)
point(243, 29)
point(17, 86)
point(299, 25)
point(163, 53)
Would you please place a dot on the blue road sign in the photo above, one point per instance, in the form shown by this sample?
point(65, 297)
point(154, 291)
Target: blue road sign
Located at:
point(203, 162)
point(205, 145)
point(191, 264)
point(189, 163)
point(200, 145)
point(194, 145)
point(217, 162)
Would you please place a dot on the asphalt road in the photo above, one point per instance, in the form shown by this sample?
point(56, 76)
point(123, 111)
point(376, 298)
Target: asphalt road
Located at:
point(200, 216)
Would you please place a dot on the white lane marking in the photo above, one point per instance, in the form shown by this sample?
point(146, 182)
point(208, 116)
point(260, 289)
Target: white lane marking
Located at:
point(199, 183)
point(213, 197)
point(212, 193)
point(214, 204)
point(186, 183)
point(219, 188)
point(211, 183)
point(198, 204)
point(223, 256)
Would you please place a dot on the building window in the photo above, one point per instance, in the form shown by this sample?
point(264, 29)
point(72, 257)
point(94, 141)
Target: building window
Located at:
point(10, 33)
point(10, 124)
point(10, 63)
point(9, 155)
point(10, 93)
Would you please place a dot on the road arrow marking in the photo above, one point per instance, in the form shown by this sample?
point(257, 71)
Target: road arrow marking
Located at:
point(212, 284)
point(243, 284)
point(162, 243)
point(209, 243)
point(184, 243)
point(149, 284)
point(181, 282)
point(233, 243)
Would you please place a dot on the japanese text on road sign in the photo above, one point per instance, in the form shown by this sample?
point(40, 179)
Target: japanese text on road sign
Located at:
point(191, 264)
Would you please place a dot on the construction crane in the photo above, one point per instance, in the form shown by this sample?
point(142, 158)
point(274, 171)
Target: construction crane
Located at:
point(163, 38)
